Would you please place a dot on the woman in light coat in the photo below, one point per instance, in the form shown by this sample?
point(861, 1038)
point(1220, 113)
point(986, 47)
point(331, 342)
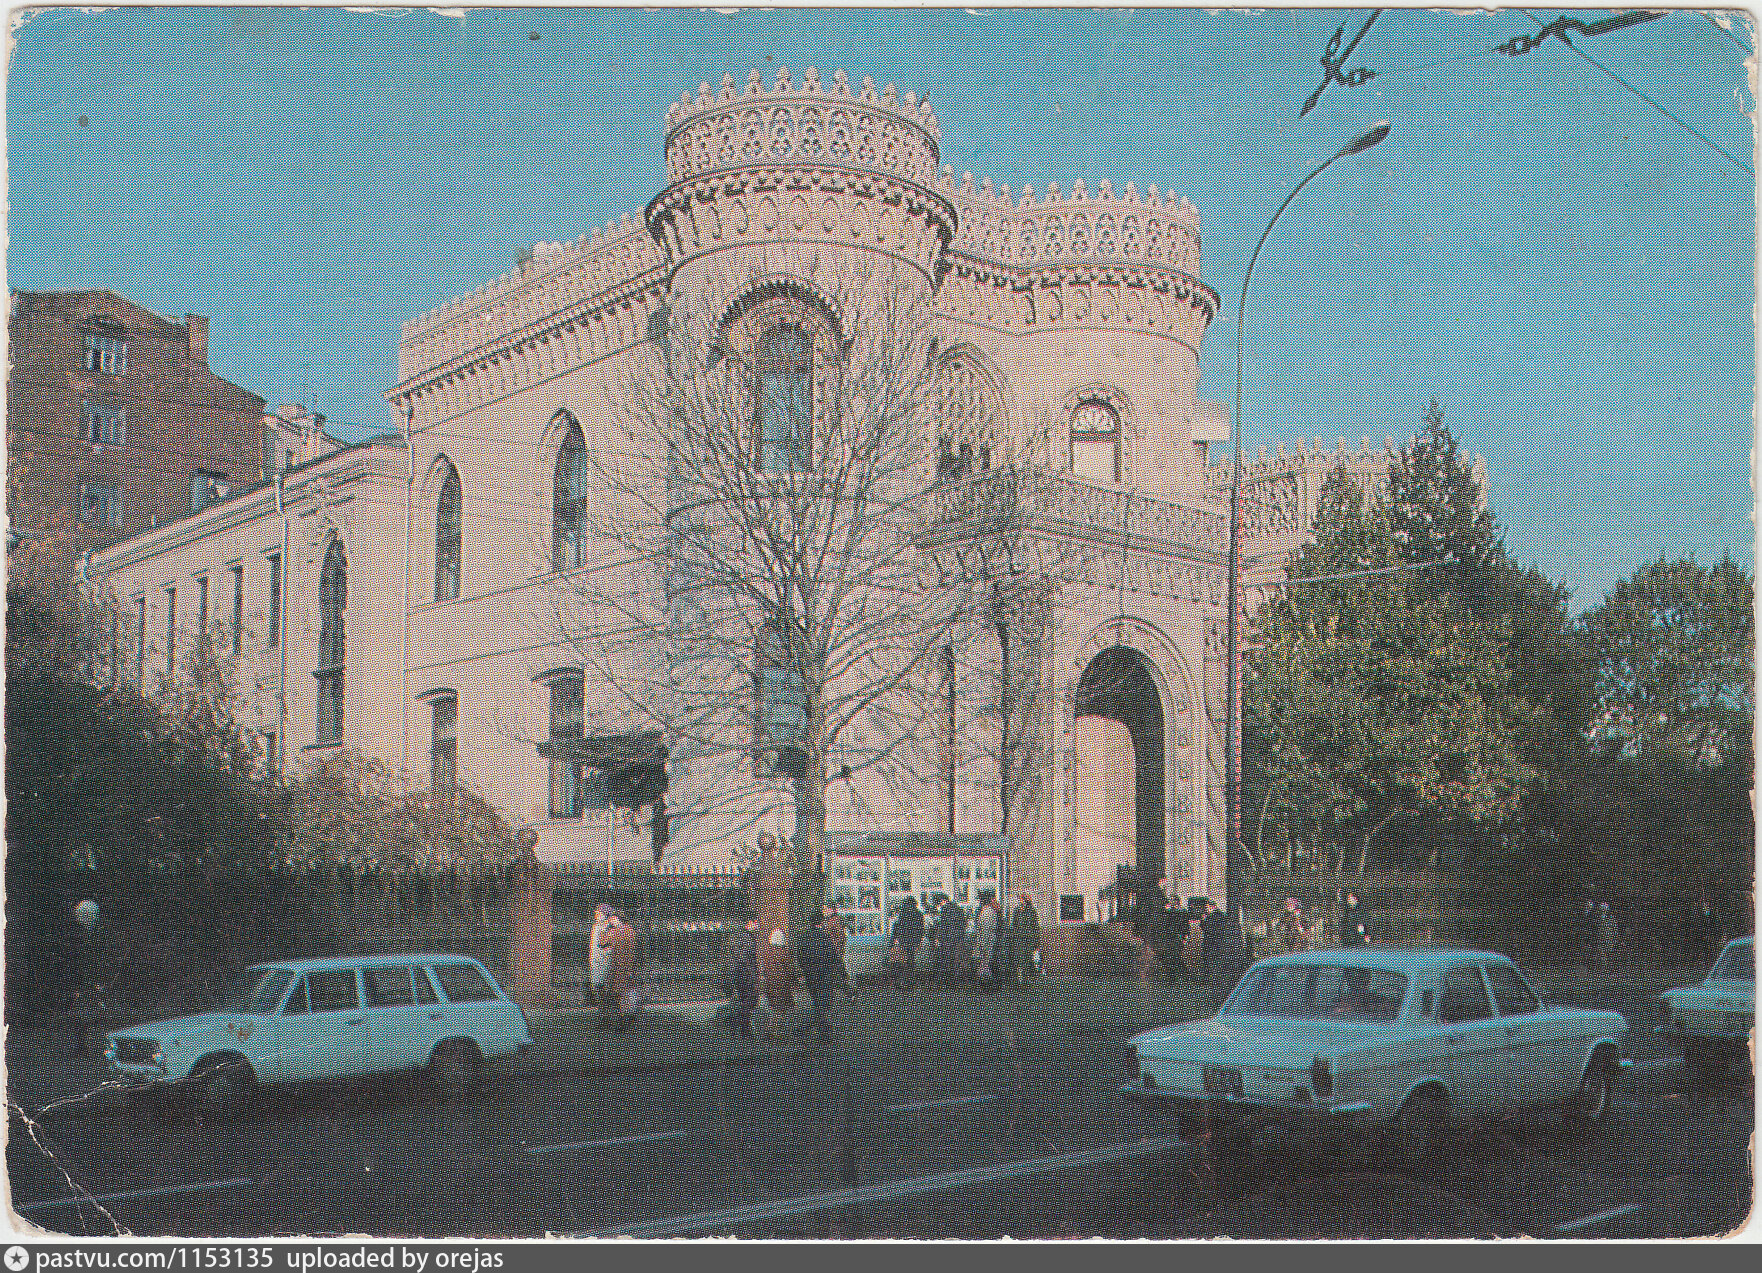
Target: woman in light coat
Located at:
point(985, 930)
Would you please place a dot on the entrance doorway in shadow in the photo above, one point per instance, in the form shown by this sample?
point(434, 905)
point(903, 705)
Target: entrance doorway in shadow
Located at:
point(1118, 684)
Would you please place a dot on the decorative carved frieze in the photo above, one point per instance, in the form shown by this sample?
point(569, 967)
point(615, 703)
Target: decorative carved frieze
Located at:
point(813, 124)
point(818, 164)
point(800, 205)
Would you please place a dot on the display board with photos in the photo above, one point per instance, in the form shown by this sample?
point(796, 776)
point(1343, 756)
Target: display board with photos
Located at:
point(867, 891)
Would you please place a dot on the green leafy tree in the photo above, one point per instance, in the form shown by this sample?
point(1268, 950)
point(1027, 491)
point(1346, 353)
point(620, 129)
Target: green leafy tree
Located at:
point(350, 811)
point(1673, 649)
point(154, 807)
point(1377, 698)
point(1436, 510)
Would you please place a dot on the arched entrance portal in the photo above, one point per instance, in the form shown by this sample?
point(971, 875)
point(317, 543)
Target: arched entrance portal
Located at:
point(1117, 685)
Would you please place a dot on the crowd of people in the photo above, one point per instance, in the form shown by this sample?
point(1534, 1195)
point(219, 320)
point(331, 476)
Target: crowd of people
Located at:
point(1200, 942)
point(1000, 950)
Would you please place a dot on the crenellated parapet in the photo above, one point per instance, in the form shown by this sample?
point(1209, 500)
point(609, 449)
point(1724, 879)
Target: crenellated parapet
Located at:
point(814, 165)
point(567, 304)
point(815, 123)
point(1121, 261)
point(847, 178)
point(1281, 490)
point(1079, 229)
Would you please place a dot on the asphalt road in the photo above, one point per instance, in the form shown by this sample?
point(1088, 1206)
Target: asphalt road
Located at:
point(1016, 1133)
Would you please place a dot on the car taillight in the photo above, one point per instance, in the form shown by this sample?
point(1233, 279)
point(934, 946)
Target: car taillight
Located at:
point(1321, 1077)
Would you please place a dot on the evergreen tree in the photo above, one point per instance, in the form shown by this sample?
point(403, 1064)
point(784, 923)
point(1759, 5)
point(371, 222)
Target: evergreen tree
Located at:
point(1376, 699)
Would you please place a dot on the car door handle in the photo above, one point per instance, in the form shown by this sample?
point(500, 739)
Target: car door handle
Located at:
point(356, 1020)
point(1455, 1040)
point(437, 1016)
point(1511, 1032)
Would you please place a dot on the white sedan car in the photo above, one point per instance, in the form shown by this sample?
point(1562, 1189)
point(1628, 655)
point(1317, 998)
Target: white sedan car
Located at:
point(1406, 1039)
point(310, 1019)
point(1711, 1022)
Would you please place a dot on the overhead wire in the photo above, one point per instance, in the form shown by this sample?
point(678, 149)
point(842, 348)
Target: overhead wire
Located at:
point(1650, 101)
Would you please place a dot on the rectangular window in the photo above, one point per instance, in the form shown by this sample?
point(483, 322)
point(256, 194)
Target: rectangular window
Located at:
point(170, 631)
point(106, 353)
point(388, 987)
point(140, 641)
point(101, 502)
point(568, 722)
point(106, 425)
point(333, 990)
point(443, 747)
point(274, 600)
point(238, 607)
point(463, 983)
point(201, 610)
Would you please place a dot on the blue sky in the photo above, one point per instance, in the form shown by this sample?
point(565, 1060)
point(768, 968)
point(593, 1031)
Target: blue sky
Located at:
point(1569, 271)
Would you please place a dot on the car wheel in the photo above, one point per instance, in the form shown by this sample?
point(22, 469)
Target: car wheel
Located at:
point(1419, 1128)
point(223, 1088)
point(1590, 1103)
point(454, 1070)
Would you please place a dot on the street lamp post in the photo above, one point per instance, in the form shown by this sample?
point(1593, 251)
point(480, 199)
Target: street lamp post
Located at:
point(1233, 636)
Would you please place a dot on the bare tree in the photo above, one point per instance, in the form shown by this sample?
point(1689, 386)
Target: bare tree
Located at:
point(798, 540)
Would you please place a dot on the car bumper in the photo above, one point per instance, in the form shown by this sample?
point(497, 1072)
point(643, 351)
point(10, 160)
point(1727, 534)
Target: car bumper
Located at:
point(140, 1074)
point(1735, 1037)
point(1236, 1109)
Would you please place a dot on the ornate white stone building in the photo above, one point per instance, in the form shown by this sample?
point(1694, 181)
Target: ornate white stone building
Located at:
point(396, 597)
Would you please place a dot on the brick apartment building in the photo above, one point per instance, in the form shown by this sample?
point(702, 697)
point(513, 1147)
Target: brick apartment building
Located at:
point(114, 422)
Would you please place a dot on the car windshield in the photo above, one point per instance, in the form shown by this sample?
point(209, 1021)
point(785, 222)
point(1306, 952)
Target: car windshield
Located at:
point(1320, 992)
point(1738, 963)
point(256, 991)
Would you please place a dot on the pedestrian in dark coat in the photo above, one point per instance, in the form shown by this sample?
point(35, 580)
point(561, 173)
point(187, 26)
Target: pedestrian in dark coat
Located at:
point(822, 972)
point(1354, 930)
point(1222, 940)
point(908, 935)
point(744, 978)
point(948, 935)
point(1024, 939)
point(1193, 943)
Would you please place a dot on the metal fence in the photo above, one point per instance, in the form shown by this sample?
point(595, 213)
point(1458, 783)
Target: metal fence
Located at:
point(685, 920)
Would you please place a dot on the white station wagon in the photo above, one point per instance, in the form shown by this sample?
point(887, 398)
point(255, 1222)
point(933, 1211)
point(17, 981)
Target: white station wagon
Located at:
point(1407, 1039)
point(302, 1020)
point(1711, 1022)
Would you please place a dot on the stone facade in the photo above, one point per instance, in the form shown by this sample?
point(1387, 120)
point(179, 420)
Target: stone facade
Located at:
point(1078, 311)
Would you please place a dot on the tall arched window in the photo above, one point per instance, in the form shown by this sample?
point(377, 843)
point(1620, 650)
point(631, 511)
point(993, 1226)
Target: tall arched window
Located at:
point(569, 503)
point(784, 361)
point(1095, 441)
point(333, 597)
point(447, 538)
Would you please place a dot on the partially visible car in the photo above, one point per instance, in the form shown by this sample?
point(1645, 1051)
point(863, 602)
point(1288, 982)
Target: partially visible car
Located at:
point(1712, 1022)
point(313, 1019)
point(1376, 1037)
